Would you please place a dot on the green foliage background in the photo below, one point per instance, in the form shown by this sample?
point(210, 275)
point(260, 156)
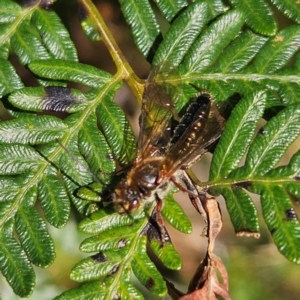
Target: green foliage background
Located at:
point(226, 48)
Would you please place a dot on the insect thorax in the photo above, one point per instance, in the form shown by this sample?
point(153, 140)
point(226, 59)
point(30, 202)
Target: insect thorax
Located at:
point(140, 185)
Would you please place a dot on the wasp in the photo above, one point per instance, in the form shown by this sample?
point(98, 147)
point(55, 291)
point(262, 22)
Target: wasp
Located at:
point(163, 156)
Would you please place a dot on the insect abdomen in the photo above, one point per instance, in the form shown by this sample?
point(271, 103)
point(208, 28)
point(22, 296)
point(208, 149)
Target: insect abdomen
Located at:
point(197, 110)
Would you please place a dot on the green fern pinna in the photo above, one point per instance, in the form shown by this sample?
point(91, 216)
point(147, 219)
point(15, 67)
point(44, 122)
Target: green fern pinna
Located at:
point(65, 143)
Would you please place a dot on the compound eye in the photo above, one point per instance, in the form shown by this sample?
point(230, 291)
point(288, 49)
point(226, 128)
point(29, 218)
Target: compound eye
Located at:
point(134, 205)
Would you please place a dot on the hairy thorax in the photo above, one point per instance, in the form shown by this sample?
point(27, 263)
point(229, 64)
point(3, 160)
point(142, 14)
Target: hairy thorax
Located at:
point(143, 182)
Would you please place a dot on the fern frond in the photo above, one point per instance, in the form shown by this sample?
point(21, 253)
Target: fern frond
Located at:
point(170, 8)
point(54, 35)
point(223, 50)
point(239, 134)
point(32, 130)
point(121, 249)
point(260, 176)
point(141, 17)
point(258, 17)
point(205, 50)
point(181, 35)
point(31, 33)
point(248, 63)
point(289, 8)
point(13, 259)
point(9, 78)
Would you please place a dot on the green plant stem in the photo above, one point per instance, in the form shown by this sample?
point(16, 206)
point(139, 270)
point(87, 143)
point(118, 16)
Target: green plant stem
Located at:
point(123, 67)
point(128, 258)
point(25, 14)
point(242, 182)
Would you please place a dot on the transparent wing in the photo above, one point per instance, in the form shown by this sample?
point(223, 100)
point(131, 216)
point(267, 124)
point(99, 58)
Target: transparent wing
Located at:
point(157, 110)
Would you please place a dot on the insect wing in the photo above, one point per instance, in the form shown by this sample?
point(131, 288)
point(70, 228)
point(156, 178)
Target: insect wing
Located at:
point(157, 110)
point(201, 126)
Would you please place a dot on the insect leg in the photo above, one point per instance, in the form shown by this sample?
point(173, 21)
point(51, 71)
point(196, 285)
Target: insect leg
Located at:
point(159, 219)
point(198, 198)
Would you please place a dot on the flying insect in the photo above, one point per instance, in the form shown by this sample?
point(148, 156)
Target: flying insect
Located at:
point(163, 155)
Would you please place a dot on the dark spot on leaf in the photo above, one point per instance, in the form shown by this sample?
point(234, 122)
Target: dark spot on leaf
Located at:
point(291, 215)
point(58, 99)
point(149, 283)
point(297, 178)
point(82, 14)
point(99, 257)
point(122, 243)
point(272, 231)
point(114, 270)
